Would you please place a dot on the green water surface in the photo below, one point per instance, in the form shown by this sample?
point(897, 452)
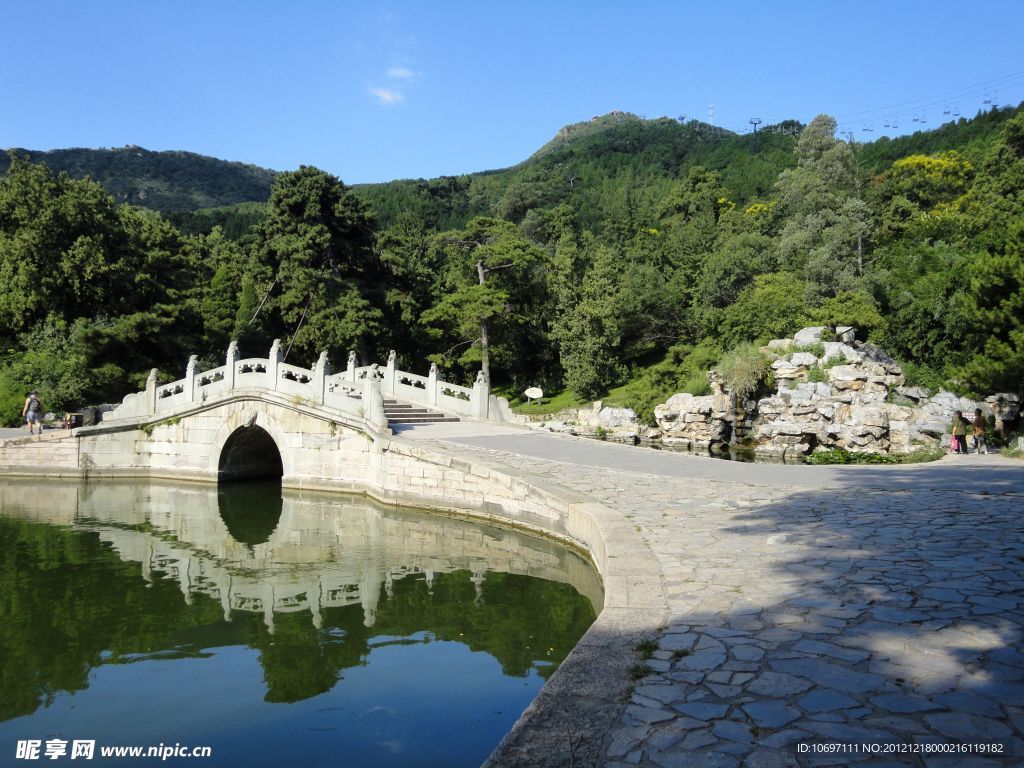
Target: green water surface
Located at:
point(277, 629)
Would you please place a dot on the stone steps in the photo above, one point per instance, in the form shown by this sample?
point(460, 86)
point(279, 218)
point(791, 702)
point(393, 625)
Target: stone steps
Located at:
point(406, 413)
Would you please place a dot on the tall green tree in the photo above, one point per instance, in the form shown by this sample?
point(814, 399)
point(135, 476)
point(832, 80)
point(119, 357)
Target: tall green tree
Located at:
point(588, 322)
point(489, 298)
point(314, 263)
point(827, 223)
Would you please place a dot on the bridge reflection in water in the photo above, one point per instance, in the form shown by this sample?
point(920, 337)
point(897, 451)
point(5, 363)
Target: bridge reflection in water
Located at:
point(257, 549)
point(186, 611)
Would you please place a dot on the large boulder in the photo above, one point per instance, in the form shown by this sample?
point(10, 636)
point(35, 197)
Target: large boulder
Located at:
point(847, 377)
point(699, 422)
point(618, 417)
point(810, 335)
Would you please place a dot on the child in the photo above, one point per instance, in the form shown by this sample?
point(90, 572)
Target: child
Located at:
point(980, 425)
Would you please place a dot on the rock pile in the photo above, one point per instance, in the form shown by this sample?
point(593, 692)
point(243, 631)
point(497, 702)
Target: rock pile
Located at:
point(828, 394)
point(600, 421)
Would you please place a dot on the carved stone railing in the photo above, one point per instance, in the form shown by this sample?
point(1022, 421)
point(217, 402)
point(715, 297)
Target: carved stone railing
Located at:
point(427, 390)
point(358, 390)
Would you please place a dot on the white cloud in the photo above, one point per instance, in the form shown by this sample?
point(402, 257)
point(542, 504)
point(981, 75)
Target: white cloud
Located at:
point(387, 95)
point(401, 73)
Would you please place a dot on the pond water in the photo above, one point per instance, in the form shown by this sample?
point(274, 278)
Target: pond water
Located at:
point(277, 629)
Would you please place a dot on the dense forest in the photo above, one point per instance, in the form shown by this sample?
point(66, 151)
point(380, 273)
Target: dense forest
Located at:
point(627, 255)
point(169, 182)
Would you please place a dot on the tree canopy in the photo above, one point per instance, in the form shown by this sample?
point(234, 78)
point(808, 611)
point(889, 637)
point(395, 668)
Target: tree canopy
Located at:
point(617, 247)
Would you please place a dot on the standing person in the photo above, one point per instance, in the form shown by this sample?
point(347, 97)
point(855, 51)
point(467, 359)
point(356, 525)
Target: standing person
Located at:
point(32, 412)
point(980, 425)
point(959, 432)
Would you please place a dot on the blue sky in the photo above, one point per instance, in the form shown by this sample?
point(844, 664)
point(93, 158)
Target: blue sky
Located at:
point(378, 91)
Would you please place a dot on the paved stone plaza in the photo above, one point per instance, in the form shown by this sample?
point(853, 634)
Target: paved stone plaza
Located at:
point(810, 606)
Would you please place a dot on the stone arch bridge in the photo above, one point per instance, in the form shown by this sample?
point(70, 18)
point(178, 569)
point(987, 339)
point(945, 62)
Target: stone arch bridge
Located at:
point(260, 416)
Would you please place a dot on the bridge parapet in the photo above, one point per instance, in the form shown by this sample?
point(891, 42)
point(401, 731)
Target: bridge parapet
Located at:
point(345, 391)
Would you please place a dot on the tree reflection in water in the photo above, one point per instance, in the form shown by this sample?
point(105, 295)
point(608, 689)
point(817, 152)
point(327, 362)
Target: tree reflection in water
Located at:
point(96, 575)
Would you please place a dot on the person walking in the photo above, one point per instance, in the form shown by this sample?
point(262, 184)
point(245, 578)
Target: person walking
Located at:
point(32, 412)
point(980, 426)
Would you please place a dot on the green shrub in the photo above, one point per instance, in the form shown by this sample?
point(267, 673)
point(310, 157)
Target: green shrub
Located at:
point(817, 374)
point(817, 349)
point(843, 456)
point(744, 369)
point(921, 375)
point(853, 308)
point(683, 369)
point(697, 385)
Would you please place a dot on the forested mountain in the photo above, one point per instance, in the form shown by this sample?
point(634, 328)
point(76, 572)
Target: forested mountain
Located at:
point(162, 181)
point(605, 169)
point(624, 252)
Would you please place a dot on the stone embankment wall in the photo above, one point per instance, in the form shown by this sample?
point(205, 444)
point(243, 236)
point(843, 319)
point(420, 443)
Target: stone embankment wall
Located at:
point(827, 394)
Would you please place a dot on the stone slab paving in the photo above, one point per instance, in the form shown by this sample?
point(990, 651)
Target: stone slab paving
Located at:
point(819, 615)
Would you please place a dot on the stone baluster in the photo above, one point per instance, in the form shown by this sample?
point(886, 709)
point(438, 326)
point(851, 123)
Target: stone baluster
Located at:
point(433, 388)
point(388, 385)
point(479, 399)
point(231, 365)
point(273, 363)
point(190, 378)
point(350, 371)
point(321, 371)
point(151, 392)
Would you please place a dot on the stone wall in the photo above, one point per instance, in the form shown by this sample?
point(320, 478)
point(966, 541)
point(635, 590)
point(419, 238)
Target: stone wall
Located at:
point(827, 394)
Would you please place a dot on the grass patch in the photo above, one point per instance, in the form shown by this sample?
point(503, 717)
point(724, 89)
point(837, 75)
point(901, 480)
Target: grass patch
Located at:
point(1012, 453)
point(683, 369)
point(817, 375)
point(817, 349)
point(843, 456)
point(646, 649)
point(680, 653)
point(639, 671)
point(544, 406)
point(169, 422)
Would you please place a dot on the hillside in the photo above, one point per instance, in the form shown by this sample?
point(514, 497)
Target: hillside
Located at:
point(588, 166)
point(591, 166)
point(624, 253)
point(163, 181)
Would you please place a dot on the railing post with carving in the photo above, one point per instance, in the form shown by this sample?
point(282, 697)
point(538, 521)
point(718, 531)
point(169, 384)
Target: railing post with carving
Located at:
point(190, 379)
point(230, 365)
point(373, 403)
point(388, 386)
point(273, 361)
point(432, 385)
point(480, 396)
point(321, 371)
point(151, 392)
point(350, 371)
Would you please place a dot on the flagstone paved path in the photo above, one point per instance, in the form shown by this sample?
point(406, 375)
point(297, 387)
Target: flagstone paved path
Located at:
point(818, 615)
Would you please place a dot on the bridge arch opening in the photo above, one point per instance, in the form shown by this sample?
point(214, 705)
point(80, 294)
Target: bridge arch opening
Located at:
point(250, 453)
